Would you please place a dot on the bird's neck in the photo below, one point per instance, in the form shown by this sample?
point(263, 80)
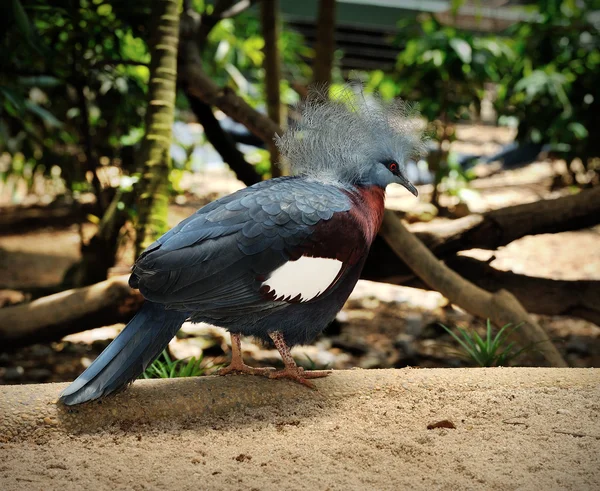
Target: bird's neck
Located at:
point(368, 209)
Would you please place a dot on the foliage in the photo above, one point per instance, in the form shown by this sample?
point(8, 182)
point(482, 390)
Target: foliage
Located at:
point(165, 367)
point(444, 70)
point(73, 83)
point(553, 87)
point(68, 91)
point(490, 351)
point(234, 57)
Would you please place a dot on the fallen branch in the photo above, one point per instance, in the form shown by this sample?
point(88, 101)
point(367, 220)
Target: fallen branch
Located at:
point(497, 228)
point(19, 219)
point(489, 230)
point(50, 318)
point(500, 307)
point(537, 295)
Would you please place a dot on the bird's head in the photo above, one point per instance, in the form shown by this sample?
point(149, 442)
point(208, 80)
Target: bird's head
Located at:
point(353, 139)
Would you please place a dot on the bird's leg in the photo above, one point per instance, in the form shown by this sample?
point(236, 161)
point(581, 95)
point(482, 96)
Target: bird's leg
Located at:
point(237, 364)
point(291, 370)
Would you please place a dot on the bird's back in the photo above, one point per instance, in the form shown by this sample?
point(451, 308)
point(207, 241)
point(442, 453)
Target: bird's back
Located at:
point(241, 259)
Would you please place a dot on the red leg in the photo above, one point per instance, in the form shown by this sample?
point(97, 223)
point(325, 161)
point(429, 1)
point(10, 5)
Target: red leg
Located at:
point(237, 364)
point(291, 370)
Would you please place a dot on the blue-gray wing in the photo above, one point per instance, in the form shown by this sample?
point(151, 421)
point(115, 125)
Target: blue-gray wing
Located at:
point(212, 261)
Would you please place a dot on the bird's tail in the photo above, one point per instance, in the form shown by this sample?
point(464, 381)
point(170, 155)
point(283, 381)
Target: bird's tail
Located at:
point(126, 358)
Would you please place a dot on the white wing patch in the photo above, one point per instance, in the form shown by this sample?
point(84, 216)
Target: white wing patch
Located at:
point(307, 277)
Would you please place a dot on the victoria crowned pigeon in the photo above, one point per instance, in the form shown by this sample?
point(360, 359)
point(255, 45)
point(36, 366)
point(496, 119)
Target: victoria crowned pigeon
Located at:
point(276, 260)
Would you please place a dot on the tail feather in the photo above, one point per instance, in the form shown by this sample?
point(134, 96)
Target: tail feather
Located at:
point(126, 358)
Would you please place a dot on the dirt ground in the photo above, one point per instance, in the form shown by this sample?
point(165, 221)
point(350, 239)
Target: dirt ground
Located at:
point(500, 429)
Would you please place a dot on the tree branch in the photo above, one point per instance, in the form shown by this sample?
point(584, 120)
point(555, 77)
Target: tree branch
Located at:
point(222, 142)
point(501, 307)
point(537, 295)
point(50, 318)
point(325, 44)
point(202, 86)
point(489, 231)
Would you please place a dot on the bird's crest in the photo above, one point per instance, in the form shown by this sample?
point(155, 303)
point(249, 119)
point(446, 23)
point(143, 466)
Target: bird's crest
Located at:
point(339, 139)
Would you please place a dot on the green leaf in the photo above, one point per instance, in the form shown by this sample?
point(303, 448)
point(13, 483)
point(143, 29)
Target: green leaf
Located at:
point(15, 99)
point(578, 130)
point(39, 81)
point(462, 49)
point(44, 114)
point(22, 21)
point(387, 89)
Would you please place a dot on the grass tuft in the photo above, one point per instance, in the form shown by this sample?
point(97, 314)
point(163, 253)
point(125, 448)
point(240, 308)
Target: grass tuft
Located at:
point(490, 351)
point(165, 367)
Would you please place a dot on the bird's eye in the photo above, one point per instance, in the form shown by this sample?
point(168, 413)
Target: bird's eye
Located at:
point(393, 167)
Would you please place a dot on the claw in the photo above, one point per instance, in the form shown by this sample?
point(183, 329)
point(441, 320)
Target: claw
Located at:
point(237, 364)
point(299, 375)
point(243, 368)
point(291, 370)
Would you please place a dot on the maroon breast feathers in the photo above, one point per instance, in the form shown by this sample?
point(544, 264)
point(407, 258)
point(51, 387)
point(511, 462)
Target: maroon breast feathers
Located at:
point(335, 246)
point(368, 210)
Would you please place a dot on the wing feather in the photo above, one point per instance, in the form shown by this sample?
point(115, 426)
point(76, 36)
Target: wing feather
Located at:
point(210, 262)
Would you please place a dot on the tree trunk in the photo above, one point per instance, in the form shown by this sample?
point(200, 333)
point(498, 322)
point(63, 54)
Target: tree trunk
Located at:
point(325, 44)
point(98, 255)
point(22, 219)
point(269, 11)
point(53, 317)
point(153, 188)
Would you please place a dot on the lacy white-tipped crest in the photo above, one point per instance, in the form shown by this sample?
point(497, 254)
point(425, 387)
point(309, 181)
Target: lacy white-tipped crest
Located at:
point(340, 139)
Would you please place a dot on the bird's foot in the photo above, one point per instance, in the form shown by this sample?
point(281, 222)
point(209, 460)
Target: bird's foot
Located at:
point(240, 367)
point(298, 374)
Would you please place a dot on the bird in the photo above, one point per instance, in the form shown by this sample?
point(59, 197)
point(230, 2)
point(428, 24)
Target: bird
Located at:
point(276, 260)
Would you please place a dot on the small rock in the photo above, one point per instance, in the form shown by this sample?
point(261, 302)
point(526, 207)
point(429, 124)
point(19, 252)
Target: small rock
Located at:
point(563, 411)
point(445, 423)
point(39, 374)
point(352, 347)
point(413, 324)
point(578, 346)
point(13, 373)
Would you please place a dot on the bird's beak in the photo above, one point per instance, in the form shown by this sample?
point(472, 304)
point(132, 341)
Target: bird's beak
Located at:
point(407, 184)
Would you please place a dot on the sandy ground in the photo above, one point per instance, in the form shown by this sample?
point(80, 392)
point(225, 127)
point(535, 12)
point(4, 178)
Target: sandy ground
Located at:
point(515, 429)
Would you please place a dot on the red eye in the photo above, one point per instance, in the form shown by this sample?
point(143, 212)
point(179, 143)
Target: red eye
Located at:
point(393, 167)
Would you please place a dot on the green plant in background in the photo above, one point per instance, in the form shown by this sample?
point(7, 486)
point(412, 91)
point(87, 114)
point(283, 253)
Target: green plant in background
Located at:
point(490, 351)
point(552, 88)
point(234, 57)
point(444, 70)
point(165, 367)
point(72, 84)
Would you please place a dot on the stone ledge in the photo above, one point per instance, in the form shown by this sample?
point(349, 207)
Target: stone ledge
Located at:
point(31, 412)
